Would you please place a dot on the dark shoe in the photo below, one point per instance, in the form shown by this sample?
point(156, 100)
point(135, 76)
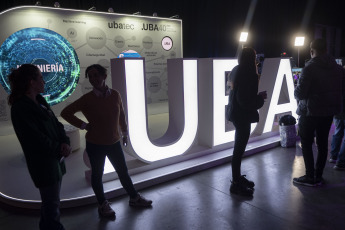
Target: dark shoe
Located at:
point(319, 181)
point(241, 189)
point(105, 210)
point(340, 167)
point(140, 201)
point(332, 160)
point(245, 181)
point(304, 180)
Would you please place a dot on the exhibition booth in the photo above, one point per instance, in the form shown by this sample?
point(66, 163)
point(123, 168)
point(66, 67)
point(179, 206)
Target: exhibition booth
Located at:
point(175, 106)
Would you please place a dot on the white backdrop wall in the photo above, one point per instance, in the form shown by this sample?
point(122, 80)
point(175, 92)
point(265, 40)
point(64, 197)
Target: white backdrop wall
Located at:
point(96, 37)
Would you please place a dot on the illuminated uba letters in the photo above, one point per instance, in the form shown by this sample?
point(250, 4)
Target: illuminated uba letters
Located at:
point(197, 103)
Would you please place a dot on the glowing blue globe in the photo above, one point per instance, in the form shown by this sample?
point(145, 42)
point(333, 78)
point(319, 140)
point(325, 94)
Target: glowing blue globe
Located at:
point(50, 52)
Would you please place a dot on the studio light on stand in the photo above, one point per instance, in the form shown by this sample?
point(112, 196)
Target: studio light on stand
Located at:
point(242, 40)
point(57, 5)
point(299, 42)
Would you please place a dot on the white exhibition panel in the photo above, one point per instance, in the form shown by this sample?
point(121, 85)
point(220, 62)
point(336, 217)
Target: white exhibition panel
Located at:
point(94, 37)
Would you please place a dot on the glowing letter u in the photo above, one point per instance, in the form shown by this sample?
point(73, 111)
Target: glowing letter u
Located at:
point(183, 109)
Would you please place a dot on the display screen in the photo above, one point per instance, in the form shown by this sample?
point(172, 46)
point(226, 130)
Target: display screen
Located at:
point(296, 73)
point(50, 52)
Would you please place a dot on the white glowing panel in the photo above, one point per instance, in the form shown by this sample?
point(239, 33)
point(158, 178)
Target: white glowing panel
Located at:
point(137, 120)
point(284, 70)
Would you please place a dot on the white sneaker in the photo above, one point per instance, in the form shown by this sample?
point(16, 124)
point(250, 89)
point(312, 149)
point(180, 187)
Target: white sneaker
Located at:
point(105, 210)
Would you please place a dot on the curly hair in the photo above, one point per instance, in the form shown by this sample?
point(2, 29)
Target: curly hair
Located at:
point(98, 67)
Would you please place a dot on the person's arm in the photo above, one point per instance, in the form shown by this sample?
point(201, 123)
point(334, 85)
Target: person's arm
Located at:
point(65, 148)
point(123, 123)
point(68, 113)
point(64, 139)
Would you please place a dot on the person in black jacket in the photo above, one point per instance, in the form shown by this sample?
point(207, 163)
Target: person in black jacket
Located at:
point(319, 94)
point(244, 101)
point(42, 137)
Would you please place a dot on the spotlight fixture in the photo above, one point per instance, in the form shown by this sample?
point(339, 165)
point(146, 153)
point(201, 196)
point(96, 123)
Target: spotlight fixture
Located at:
point(93, 8)
point(110, 10)
point(57, 5)
point(299, 41)
point(137, 13)
point(243, 37)
point(155, 14)
point(175, 16)
point(38, 3)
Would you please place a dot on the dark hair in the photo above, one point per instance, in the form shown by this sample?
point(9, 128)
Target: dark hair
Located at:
point(247, 58)
point(20, 81)
point(319, 45)
point(98, 67)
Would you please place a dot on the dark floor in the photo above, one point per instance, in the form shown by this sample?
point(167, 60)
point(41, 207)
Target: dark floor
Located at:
point(202, 201)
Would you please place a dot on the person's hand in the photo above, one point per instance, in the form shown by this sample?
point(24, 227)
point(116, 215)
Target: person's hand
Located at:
point(125, 140)
point(65, 150)
point(263, 94)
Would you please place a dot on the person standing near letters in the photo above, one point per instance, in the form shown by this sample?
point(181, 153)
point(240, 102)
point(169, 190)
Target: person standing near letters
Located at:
point(244, 101)
point(43, 140)
point(319, 94)
point(106, 126)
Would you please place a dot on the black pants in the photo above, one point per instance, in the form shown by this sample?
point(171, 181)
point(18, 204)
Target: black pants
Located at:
point(242, 134)
point(308, 128)
point(97, 154)
point(50, 209)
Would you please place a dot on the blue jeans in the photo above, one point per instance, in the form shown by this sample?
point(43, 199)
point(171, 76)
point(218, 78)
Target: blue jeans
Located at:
point(337, 148)
point(242, 134)
point(97, 154)
point(320, 126)
point(50, 209)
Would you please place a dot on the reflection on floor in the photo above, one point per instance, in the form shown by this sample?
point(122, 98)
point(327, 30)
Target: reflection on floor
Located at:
point(202, 201)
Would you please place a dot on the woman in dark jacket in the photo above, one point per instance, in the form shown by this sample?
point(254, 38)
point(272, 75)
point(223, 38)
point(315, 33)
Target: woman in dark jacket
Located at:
point(42, 138)
point(244, 101)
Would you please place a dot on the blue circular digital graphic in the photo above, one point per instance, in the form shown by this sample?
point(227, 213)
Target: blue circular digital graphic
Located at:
point(50, 52)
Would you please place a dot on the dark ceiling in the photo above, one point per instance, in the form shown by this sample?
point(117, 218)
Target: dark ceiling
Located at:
point(211, 28)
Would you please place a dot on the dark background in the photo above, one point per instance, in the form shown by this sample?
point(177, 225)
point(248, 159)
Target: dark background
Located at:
point(211, 27)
